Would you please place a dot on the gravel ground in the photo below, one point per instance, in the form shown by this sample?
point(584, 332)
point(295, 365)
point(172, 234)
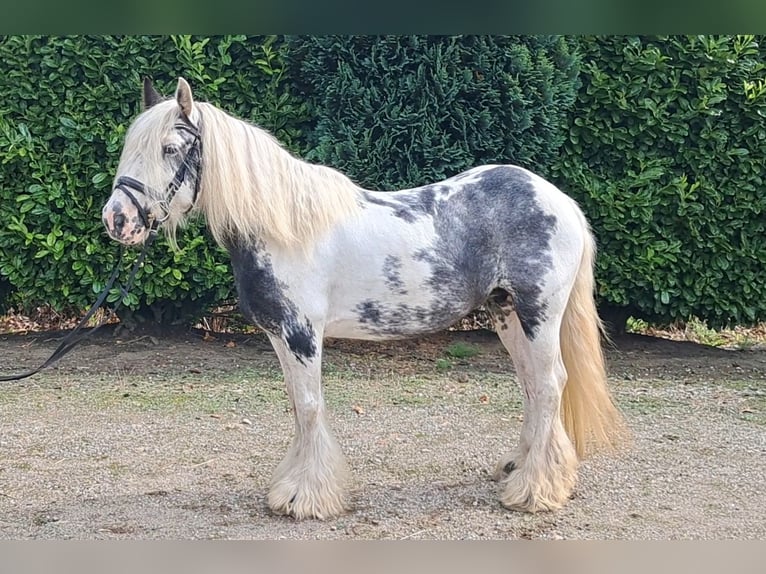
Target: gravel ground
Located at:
point(175, 436)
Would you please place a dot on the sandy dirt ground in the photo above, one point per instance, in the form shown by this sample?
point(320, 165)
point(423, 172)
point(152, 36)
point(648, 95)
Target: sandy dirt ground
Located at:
point(175, 436)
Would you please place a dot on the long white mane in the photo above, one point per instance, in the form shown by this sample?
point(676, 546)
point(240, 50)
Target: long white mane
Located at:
point(251, 187)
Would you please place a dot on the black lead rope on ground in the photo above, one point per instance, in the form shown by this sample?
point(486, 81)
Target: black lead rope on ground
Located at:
point(73, 338)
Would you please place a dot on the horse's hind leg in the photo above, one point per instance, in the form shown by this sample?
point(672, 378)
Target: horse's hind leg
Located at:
point(540, 474)
point(309, 482)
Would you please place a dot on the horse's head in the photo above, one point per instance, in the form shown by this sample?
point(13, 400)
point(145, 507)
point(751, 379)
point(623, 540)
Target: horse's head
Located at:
point(159, 171)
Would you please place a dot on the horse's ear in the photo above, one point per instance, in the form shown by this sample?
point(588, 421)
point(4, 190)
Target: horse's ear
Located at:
point(151, 96)
point(184, 97)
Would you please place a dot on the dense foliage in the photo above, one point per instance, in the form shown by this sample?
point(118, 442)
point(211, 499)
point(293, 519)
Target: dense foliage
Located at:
point(395, 112)
point(661, 139)
point(666, 153)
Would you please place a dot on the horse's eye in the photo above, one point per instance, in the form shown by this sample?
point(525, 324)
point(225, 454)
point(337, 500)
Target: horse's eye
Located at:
point(169, 150)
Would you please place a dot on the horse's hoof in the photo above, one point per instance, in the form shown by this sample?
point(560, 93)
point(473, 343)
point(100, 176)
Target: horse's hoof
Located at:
point(307, 505)
point(538, 490)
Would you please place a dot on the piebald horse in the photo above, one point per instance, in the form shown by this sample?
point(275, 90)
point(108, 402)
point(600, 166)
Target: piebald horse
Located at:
point(315, 256)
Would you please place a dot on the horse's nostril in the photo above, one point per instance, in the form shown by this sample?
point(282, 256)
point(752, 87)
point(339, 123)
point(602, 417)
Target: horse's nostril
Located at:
point(119, 222)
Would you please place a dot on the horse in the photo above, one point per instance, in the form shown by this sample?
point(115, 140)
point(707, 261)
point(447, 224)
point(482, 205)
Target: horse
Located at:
point(314, 255)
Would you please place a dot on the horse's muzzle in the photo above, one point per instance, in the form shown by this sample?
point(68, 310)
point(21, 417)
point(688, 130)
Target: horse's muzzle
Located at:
point(122, 220)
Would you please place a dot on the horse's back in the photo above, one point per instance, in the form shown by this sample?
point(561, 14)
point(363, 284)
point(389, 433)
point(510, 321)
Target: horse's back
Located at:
point(497, 200)
point(498, 222)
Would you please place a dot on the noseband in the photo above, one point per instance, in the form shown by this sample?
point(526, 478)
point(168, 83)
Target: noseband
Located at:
point(192, 160)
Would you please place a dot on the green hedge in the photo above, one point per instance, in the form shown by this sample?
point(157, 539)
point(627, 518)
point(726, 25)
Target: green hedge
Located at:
point(400, 111)
point(661, 139)
point(666, 152)
point(66, 104)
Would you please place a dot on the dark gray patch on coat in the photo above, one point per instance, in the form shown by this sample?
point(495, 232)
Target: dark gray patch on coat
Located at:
point(407, 205)
point(490, 234)
point(402, 320)
point(494, 233)
point(300, 337)
point(500, 306)
point(392, 266)
point(262, 300)
point(369, 313)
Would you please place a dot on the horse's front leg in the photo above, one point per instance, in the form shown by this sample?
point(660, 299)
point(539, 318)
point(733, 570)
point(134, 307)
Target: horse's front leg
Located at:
point(309, 482)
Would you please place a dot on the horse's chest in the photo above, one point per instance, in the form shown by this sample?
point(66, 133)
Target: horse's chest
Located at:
point(262, 297)
point(263, 300)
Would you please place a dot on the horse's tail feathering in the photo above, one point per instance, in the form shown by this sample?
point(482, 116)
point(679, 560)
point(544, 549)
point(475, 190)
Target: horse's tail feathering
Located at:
point(590, 418)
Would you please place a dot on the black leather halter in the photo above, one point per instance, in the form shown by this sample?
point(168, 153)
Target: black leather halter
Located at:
point(191, 161)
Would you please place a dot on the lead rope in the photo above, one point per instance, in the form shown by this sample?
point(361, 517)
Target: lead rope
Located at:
point(72, 339)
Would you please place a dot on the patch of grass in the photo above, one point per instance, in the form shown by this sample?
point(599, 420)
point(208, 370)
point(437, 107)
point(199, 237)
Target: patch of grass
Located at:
point(743, 339)
point(118, 469)
point(697, 330)
point(753, 400)
point(460, 350)
point(758, 418)
point(648, 404)
point(443, 364)
point(743, 385)
point(412, 391)
point(152, 400)
point(634, 325)
point(457, 350)
point(247, 389)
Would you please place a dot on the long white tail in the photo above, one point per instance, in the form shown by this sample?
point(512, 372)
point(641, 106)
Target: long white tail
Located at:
point(590, 417)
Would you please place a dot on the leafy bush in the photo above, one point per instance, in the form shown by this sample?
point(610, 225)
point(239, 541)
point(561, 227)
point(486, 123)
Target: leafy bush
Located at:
point(665, 152)
point(67, 102)
point(401, 111)
point(661, 139)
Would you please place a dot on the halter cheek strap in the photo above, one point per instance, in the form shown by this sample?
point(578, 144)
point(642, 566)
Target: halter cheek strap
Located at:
point(192, 159)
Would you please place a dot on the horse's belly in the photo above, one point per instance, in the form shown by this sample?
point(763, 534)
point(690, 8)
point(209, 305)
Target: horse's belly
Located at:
point(381, 320)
